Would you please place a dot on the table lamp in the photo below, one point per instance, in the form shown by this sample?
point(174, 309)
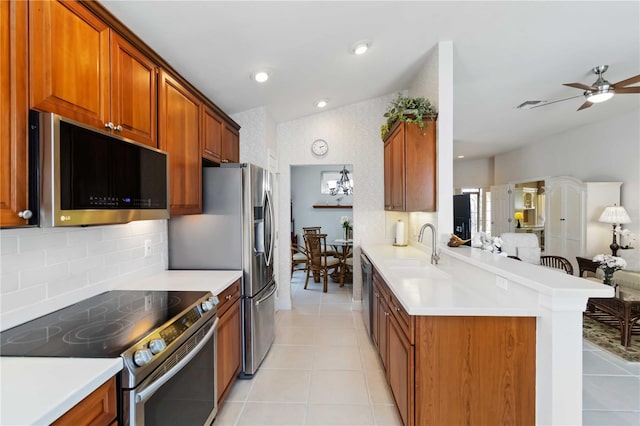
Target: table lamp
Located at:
point(614, 215)
point(518, 216)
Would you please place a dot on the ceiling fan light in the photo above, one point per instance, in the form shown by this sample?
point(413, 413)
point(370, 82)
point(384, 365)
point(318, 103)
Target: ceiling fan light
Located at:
point(600, 96)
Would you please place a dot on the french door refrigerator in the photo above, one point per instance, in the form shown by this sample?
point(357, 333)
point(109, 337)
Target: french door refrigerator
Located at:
point(235, 232)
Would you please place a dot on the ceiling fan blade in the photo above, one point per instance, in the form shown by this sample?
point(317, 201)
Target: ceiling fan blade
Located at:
point(630, 80)
point(585, 105)
point(580, 86)
point(555, 102)
point(622, 90)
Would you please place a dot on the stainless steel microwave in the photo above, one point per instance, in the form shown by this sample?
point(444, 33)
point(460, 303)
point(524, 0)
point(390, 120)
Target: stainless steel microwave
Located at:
point(94, 177)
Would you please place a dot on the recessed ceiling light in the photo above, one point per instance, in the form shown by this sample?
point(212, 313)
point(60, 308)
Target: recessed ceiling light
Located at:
point(261, 76)
point(322, 103)
point(460, 156)
point(360, 48)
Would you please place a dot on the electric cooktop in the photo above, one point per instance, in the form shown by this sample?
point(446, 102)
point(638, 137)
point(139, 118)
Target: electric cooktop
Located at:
point(103, 326)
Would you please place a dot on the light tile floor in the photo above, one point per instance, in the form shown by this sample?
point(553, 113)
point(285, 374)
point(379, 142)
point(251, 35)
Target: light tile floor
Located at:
point(323, 370)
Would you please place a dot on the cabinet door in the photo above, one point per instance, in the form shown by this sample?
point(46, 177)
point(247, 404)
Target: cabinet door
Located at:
point(397, 169)
point(211, 135)
point(383, 331)
point(13, 112)
point(178, 124)
point(99, 408)
point(68, 61)
point(420, 167)
point(133, 92)
point(400, 372)
point(230, 145)
point(388, 203)
point(229, 349)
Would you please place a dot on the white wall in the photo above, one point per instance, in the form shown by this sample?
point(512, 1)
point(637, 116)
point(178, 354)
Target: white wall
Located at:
point(305, 193)
point(353, 134)
point(257, 136)
point(45, 269)
point(603, 151)
point(475, 173)
point(435, 82)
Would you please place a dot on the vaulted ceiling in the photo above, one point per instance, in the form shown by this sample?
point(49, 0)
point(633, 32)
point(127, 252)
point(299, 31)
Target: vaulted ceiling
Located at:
point(504, 54)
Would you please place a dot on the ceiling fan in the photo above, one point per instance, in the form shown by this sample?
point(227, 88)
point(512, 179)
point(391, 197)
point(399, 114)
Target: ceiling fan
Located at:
point(600, 91)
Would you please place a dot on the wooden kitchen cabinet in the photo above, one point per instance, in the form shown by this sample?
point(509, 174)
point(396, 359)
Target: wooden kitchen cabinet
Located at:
point(81, 69)
point(230, 144)
point(455, 369)
point(14, 168)
point(229, 340)
point(410, 167)
point(97, 409)
point(211, 138)
point(179, 135)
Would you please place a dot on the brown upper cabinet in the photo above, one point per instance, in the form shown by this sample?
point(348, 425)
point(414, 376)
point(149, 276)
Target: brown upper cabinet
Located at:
point(230, 145)
point(13, 113)
point(410, 168)
point(83, 70)
point(211, 139)
point(179, 133)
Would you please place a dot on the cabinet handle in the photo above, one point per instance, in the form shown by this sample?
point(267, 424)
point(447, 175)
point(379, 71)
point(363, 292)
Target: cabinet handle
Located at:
point(397, 309)
point(118, 128)
point(228, 297)
point(386, 314)
point(562, 219)
point(25, 214)
point(225, 161)
point(109, 125)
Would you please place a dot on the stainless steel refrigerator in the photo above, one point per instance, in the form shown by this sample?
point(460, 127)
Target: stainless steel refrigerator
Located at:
point(235, 232)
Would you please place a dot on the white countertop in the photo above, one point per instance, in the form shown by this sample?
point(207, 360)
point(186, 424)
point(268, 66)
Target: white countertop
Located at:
point(35, 391)
point(464, 282)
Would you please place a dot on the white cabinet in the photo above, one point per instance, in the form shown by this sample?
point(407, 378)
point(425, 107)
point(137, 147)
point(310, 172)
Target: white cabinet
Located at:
point(573, 208)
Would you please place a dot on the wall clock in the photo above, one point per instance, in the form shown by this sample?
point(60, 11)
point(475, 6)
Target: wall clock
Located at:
point(319, 147)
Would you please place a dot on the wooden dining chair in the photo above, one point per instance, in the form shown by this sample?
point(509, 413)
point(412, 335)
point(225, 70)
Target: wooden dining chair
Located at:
point(586, 265)
point(311, 229)
point(298, 257)
point(557, 262)
point(320, 263)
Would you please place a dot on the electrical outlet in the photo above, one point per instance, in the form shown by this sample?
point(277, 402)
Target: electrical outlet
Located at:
point(502, 282)
point(147, 248)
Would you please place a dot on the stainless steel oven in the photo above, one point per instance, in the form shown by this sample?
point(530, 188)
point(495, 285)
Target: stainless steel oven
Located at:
point(166, 339)
point(179, 391)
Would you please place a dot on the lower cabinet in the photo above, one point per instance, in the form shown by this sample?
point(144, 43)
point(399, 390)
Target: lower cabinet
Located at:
point(229, 340)
point(97, 409)
point(452, 370)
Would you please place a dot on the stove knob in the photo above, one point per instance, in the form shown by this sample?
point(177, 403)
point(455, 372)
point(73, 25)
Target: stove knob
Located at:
point(142, 356)
point(156, 346)
point(214, 300)
point(206, 306)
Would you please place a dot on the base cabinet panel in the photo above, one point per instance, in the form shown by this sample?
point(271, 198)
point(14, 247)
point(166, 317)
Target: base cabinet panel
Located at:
point(475, 370)
point(229, 340)
point(97, 409)
point(400, 371)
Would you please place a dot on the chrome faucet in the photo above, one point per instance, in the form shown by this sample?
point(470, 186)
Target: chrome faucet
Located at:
point(434, 240)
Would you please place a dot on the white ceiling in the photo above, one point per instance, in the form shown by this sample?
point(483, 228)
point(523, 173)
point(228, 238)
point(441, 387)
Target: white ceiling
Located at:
point(504, 53)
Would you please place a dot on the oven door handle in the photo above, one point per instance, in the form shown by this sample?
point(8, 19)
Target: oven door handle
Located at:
point(148, 391)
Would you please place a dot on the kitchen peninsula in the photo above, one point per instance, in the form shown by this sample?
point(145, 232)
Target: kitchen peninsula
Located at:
point(479, 338)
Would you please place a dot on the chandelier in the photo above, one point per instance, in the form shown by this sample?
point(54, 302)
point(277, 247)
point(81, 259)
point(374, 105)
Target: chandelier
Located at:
point(344, 185)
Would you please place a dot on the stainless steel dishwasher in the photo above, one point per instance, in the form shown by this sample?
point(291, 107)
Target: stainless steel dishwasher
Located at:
point(367, 290)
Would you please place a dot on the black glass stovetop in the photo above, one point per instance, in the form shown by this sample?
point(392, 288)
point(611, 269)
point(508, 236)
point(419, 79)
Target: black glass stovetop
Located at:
point(103, 326)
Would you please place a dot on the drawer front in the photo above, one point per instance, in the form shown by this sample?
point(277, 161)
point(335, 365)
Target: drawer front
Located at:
point(227, 297)
point(406, 321)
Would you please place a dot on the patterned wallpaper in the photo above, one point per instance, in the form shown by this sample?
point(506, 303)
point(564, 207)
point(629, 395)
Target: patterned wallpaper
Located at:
point(353, 135)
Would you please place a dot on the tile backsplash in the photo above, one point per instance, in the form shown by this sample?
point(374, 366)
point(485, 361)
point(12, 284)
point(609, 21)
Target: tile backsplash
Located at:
point(44, 269)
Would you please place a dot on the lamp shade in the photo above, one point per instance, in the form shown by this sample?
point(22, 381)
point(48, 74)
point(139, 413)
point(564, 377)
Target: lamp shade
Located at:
point(614, 214)
point(518, 215)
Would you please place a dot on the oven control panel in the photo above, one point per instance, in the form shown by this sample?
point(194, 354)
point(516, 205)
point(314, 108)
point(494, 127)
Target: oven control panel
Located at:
point(174, 331)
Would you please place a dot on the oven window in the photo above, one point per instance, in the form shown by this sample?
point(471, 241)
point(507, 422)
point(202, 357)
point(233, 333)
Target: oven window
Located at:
point(189, 397)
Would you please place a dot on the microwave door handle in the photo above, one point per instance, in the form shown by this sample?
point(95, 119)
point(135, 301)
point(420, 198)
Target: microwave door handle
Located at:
point(148, 391)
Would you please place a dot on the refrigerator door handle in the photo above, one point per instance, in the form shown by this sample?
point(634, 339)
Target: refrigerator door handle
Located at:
point(269, 228)
point(275, 287)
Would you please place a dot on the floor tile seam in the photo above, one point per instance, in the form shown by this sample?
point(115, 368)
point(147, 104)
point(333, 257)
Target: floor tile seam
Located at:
point(603, 410)
point(244, 404)
point(367, 385)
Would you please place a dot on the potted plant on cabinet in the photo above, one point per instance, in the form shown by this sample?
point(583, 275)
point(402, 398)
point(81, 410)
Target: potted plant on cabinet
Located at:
point(410, 110)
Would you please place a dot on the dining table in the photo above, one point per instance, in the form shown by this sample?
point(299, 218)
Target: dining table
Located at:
point(343, 249)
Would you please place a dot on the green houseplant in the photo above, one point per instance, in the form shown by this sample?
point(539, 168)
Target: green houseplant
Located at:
point(410, 110)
